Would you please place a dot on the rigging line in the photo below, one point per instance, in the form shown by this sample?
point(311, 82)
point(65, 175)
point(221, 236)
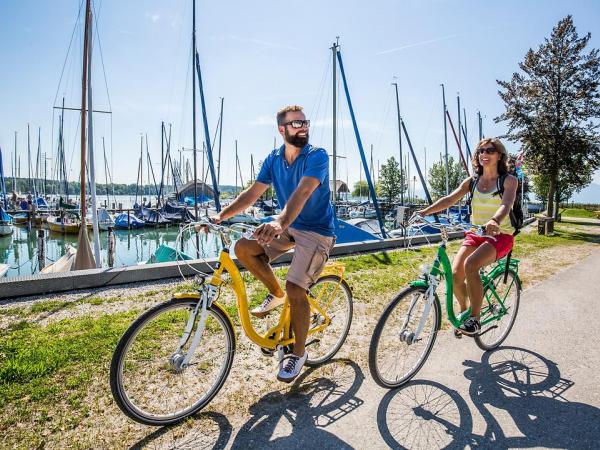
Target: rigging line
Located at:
point(329, 92)
point(385, 118)
point(68, 50)
point(95, 16)
point(183, 100)
point(321, 86)
point(63, 67)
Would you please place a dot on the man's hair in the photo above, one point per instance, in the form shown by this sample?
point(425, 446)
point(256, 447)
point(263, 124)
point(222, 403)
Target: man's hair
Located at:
point(502, 161)
point(283, 111)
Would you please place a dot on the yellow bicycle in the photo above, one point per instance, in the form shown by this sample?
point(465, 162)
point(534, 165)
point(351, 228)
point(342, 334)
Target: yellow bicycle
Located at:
point(175, 357)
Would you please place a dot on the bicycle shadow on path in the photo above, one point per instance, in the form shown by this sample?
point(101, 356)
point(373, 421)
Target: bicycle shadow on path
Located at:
point(519, 394)
point(297, 418)
point(203, 431)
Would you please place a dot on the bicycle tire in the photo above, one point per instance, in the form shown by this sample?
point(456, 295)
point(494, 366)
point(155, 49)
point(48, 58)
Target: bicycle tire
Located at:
point(345, 328)
point(481, 340)
point(374, 348)
point(120, 393)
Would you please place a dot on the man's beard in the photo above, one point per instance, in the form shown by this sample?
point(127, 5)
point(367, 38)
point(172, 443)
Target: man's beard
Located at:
point(296, 141)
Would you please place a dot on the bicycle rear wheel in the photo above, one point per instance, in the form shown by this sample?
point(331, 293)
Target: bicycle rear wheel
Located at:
point(145, 380)
point(393, 356)
point(335, 298)
point(502, 315)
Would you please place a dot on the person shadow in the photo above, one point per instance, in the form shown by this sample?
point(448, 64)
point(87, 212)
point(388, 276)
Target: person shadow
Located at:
point(297, 418)
point(518, 392)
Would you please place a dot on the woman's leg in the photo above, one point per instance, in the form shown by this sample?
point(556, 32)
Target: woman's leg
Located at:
point(484, 254)
point(458, 275)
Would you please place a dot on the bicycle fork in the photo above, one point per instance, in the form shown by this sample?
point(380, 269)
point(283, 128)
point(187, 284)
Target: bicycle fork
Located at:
point(408, 336)
point(180, 360)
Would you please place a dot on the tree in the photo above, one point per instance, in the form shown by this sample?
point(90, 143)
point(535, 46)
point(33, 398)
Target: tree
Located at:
point(390, 184)
point(551, 107)
point(437, 177)
point(361, 188)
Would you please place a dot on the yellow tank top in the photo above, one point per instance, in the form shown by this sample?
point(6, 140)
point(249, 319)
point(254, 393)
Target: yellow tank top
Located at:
point(484, 205)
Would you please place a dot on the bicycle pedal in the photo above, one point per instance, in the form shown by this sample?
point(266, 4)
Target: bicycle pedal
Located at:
point(457, 334)
point(267, 351)
point(314, 341)
point(485, 331)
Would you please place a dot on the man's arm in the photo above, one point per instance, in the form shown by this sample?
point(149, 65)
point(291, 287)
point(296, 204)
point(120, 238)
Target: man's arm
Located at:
point(246, 198)
point(270, 230)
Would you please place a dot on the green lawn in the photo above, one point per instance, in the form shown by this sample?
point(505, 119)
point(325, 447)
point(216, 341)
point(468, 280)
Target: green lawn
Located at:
point(45, 370)
point(579, 213)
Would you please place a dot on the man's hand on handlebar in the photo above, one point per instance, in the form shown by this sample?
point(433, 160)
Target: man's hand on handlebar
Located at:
point(216, 219)
point(268, 231)
point(492, 228)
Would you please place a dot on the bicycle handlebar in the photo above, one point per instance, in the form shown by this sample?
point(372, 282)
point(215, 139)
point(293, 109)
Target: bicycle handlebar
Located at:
point(479, 230)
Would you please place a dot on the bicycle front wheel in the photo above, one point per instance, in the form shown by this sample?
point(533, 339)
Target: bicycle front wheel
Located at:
point(500, 311)
point(146, 381)
point(334, 297)
point(395, 354)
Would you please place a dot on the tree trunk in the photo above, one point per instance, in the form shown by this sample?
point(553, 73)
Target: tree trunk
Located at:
point(557, 202)
point(551, 193)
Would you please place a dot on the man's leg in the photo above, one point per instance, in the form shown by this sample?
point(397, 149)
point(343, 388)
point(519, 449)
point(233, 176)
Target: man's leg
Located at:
point(253, 257)
point(458, 275)
point(300, 315)
point(484, 254)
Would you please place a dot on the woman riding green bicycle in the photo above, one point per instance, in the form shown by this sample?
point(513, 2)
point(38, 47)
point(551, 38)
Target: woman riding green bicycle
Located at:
point(493, 193)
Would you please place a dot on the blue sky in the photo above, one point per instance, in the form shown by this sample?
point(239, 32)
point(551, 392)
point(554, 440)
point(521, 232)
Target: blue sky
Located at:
point(260, 56)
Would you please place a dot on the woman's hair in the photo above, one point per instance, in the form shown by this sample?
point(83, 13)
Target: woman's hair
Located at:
point(502, 162)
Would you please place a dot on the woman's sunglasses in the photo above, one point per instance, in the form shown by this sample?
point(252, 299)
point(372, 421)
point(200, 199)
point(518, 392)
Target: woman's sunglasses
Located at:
point(487, 151)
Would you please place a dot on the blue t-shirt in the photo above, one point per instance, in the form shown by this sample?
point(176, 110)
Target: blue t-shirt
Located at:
point(317, 213)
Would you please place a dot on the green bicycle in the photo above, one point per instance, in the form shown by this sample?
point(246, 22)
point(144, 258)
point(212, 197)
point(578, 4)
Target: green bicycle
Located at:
point(406, 331)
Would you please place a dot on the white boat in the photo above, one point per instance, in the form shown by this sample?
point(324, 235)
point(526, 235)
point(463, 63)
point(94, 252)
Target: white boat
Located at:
point(3, 269)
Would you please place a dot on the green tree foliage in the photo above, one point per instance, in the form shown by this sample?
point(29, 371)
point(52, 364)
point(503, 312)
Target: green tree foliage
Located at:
point(361, 189)
point(551, 108)
point(390, 183)
point(437, 177)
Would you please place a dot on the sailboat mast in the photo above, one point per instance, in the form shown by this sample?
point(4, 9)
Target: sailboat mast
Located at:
point(400, 144)
point(95, 227)
point(83, 111)
point(194, 107)
point(334, 50)
point(220, 138)
point(236, 169)
point(29, 161)
point(15, 166)
point(445, 141)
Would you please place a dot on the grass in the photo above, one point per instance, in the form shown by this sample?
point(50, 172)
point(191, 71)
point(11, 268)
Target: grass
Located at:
point(46, 371)
point(579, 213)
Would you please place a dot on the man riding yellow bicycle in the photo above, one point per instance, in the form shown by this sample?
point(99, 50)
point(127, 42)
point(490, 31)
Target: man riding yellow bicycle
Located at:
point(299, 173)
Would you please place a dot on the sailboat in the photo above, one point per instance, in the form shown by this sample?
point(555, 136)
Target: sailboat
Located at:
point(6, 227)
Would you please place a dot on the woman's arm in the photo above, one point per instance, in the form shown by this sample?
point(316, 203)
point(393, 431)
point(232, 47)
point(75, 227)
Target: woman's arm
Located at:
point(449, 200)
point(508, 198)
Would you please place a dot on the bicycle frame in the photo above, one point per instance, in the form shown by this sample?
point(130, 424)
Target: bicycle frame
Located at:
point(280, 334)
point(442, 268)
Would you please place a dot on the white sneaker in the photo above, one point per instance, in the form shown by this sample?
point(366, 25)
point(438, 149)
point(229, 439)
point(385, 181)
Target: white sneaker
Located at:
point(292, 367)
point(270, 303)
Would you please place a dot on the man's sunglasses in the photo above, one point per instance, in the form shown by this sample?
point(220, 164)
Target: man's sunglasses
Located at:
point(298, 123)
point(488, 151)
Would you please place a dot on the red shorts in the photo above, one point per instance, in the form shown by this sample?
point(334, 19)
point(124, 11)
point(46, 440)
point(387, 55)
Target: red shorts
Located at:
point(503, 243)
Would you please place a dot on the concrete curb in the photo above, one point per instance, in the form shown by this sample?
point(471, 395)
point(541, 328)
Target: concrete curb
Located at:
point(40, 284)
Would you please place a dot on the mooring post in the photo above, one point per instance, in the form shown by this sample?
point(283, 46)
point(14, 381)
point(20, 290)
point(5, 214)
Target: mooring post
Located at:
point(111, 247)
point(41, 245)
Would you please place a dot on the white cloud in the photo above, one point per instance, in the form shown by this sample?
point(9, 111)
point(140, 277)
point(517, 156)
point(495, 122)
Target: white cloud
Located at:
point(417, 44)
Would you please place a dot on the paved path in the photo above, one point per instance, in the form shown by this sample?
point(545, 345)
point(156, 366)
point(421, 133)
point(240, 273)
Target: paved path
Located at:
point(541, 389)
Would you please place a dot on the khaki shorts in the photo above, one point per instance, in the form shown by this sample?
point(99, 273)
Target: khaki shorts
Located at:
point(311, 252)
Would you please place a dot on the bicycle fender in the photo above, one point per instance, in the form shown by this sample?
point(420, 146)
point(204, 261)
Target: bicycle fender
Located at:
point(419, 283)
